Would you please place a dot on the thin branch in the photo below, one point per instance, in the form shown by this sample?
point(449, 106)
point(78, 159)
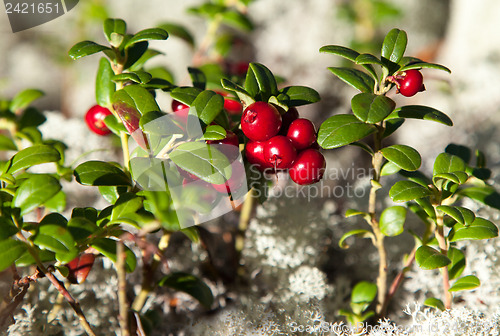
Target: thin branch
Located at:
point(122, 288)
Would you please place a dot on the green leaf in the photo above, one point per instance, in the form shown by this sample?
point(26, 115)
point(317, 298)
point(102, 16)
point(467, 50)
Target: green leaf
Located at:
point(237, 20)
point(7, 143)
point(362, 296)
point(179, 31)
point(115, 125)
point(447, 163)
point(425, 65)
point(81, 228)
point(146, 35)
point(354, 212)
point(368, 59)
point(392, 125)
point(479, 229)
point(299, 95)
point(135, 53)
point(128, 203)
point(185, 95)
point(104, 86)
point(403, 191)
point(32, 156)
point(85, 48)
point(57, 203)
point(428, 258)
point(462, 152)
point(207, 106)
point(465, 283)
point(242, 94)
point(24, 98)
point(405, 157)
point(191, 285)
point(107, 247)
point(342, 129)
point(462, 215)
point(159, 123)
point(392, 221)
point(7, 228)
point(426, 205)
point(345, 52)
point(35, 191)
point(486, 195)
point(389, 168)
point(140, 77)
point(202, 160)
point(457, 265)
point(457, 177)
point(139, 64)
point(434, 303)
point(57, 239)
point(421, 112)
point(137, 97)
point(371, 108)
point(394, 45)
point(417, 177)
point(214, 132)
point(363, 146)
point(10, 251)
point(111, 193)
point(117, 26)
point(260, 82)
point(358, 233)
point(356, 78)
point(99, 173)
point(198, 78)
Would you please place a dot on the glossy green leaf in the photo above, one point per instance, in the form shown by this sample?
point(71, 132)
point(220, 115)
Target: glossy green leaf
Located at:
point(392, 125)
point(115, 125)
point(299, 95)
point(362, 296)
point(214, 132)
point(389, 168)
point(242, 94)
point(207, 106)
point(405, 157)
point(434, 303)
point(88, 212)
point(117, 26)
point(135, 53)
point(421, 112)
point(126, 204)
point(368, 59)
point(425, 65)
point(140, 77)
point(57, 203)
point(178, 31)
point(7, 228)
point(104, 86)
point(137, 97)
point(6, 143)
point(107, 247)
point(342, 129)
point(198, 78)
point(81, 228)
point(354, 212)
point(159, 123)
point(202, 160)
point(260, 82)
point(403, 191)
point(465, 283)
point(461, 151)
point(479, 229)
point(185, 95)
point(357, 233)
point(462, 215)
point(356, 78)
point(85, 48)
point(191, 285)
point(57, 239)
point(10, 251)
point(111, 193)
point(139, 64)
point(24, 98)
point(146, 35)
point(457, 177)
point(32, 156)
point(417, 177)
point(486, 195)
point(363, 146)
point(99, 173)
point(31, 117)
point(345, 52)
point(394, 45)
point(427, 206)
point(35, 191)
point(457, 265)
point(428, 258)
point(392, 220)
point(26, 259)
point(447, 163)
point(371, 108)
point(237, 20)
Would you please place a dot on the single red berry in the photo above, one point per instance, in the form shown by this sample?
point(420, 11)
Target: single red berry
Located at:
point(232, 106)
point(302, 133)
point(80, 267)
point(279, 152)
point(238, 177)
point(95, 119)
point(411, 83)
point(229, 145)
point(287, 118)
point(177, 105)
point(260, 121)
point(254, 152)
point(308, 168)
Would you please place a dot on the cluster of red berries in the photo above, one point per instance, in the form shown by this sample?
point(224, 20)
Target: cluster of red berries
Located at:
point(282, 142)
point(409, 83)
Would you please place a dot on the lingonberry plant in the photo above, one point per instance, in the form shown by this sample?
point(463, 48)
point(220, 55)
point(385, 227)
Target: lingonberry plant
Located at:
point(436, 200)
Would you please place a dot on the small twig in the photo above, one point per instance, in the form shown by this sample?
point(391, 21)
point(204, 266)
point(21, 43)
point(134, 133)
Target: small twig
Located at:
point(122, 288)
point(443, 246)
point(245, 215)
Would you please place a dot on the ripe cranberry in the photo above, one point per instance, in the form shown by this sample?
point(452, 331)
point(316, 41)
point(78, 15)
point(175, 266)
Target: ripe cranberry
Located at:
point(232, 106)
point(260, 121)
point(302, 133)
point(95, 119)
point(411, 83)
point(287, 118)
point(280, 152)
point(177, 105)
point(308, 168)
point(236, 180)
point(80, 267)
point(229, 145)
point(254, 152)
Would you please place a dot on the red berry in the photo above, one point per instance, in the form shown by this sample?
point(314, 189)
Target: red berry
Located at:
point(229, 145)
point(308, 168)
point(411, 83)
point(177, 105)
point(254, 152)
point(236, 180)
point(95, 119)
point(287, 118)
point(279, 152)
point(232, 106)
point(260, 121)
point(80, 267)
point(302, 133)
